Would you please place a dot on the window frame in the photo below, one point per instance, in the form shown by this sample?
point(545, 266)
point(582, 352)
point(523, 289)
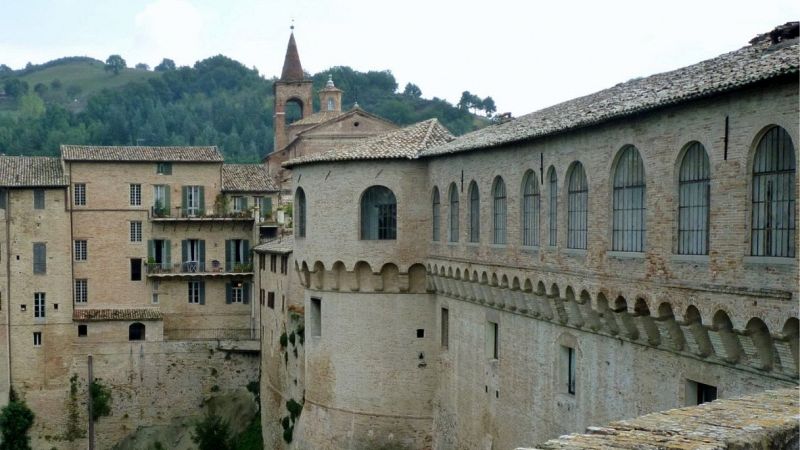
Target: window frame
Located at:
point(499, 212)
point(79, 194)
point(81, 249)
point(436, 215)
point(577, 196)
point(552, 206)
point(454, 213)
point(135, 196)
point(629, 202)
point(694, 183)
point(300, 212)
point(164, 168)
point(531, 210)
point(40, 262)
point(136, 231)
point(39, 199)
point(378, 214)
point(81, 290)
point(37, 338)
point(39, 305)
point(474, 213)
point(194, 292)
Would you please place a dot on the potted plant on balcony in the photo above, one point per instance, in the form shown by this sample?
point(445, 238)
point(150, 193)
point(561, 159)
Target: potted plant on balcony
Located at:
point(221, 205)
point(152, 265)
point(159, 210)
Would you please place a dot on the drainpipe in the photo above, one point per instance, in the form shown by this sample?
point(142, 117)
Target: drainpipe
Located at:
point(8, 287)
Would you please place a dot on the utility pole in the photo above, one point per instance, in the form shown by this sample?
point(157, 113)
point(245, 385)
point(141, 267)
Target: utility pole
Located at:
point(91, 419)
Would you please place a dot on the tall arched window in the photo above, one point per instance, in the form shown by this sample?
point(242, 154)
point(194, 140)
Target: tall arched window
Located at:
point(499, 210)
point(300, 201)
point(553, 206)
point(693, 200)
point(577, 208)
point(136, 332)
point(474, 213)
point(436, 214)
point(453, 213)
point(629, 202)
point(774, 221)
point(378, 214)
point(530, 209)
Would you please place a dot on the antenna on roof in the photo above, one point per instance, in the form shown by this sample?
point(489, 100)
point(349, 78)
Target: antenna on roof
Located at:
point(292, 26)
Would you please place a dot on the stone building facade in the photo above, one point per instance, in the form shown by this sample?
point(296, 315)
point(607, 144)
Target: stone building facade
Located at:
point(626, 252)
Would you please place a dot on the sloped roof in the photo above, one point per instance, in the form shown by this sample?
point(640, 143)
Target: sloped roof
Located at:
point(748, 65)
point(280, 245)
point(31, 171)
point(318, 117)
point(81, 314)
point(292, 70)
point(247, 178)
point(405, 143)
point(135, 153)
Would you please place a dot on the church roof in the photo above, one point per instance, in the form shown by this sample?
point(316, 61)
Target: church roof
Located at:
point(292, 70)
point(141, 154)
point(31, 171)
point(761, 61)
point(247, 178)
point(317, 117)
point(405, 143)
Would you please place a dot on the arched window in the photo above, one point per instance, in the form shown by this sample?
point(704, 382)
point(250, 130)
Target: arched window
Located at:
point(136, 332)
point(453, 213)
point(378, 214)
point(774, 221)
point(330, 104)
point(693, 200)
point(577, 208)
point(629, 202)
point(474, 213)
point(530, 210)
point(499, 210)
point(435, 215)
point(553, 206)
point(300, 201)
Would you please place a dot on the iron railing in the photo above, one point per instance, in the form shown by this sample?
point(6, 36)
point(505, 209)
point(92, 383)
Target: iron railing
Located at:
point(207, 334)
point(199, 267)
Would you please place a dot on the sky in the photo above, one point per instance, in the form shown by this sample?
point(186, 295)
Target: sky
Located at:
point(526, 55)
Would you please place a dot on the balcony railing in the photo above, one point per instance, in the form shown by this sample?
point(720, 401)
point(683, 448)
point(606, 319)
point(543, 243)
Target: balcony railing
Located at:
point(205, 334)
point(181, 213)
point(198, 267)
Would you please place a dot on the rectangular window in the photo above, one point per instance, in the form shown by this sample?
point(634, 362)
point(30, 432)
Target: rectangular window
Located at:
point(80, 250)
point(262, 297)
point(194, 292)
point(445, 328)
point(553, 209)
point(273, 263)
point(79, 197)
point(136, 195)
point(697, 393)
point(38, 199)
point(156, 285)
point(271, 300)
point(492, 341)
point(38, 305)
point(39, 258)
point(193, 200)
point(37, 338)
point(136, 269)
point(160, 200)
point(136, 231)
point(83, 330)
point(284, 264)
point(81, 291)
point(237, 293)
point(316, 317)
point(3, 198)
point(262, 262)
point(568, 366)
point(239, 204)
point(164, 168)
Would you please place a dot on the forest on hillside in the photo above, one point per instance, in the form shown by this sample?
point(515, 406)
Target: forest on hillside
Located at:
point(218, 102)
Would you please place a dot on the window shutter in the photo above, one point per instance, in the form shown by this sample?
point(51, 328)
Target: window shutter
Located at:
point(184, 199)
point(166, 198)
point(168, 168)
point(266, 207)
point(151, 249)
point(202, 253)
point(3, 198)
point(202, 203)
point(246, 251)
point(244, 204)
point(166, 252)
point(228, 293)
point(228, 255)
point(184, 251)
point(202, 289)
point(246, 293)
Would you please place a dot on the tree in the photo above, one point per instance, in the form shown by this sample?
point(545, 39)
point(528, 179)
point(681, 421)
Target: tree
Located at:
point(165, 65)
point(212, 433)
point(4, 69)
point(73, 90)
point(142, 66)
point(31, 106)
point(466, 100)
point(115, 64)
point(40, 88)
point(489, 106)
point(15, 421)
point(412, 90)
point(15, 87)
point(56, 84)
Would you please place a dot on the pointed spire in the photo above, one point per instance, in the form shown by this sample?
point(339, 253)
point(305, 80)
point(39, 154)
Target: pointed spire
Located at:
point(292, 70)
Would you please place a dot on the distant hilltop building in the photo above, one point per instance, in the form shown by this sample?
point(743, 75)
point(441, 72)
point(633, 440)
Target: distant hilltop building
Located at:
point(621, 254)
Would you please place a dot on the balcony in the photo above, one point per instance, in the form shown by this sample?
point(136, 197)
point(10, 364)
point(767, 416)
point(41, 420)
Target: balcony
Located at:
point(181, 214)
point(198, 268)
point(243, 340)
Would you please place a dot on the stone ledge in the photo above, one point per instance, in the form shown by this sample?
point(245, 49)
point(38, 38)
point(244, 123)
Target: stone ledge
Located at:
point(762, 421)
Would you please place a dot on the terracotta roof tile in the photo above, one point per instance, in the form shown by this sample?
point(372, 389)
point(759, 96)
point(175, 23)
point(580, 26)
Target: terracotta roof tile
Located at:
point(281, 245)
point(757, 62)
point(81, 314)
point(152, 154)
point(318, 117)
point(247, 178)
point(405, 143)
point(31, 171)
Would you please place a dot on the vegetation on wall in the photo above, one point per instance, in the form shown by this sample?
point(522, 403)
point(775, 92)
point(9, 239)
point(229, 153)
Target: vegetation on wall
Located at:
point(101, 400)
point(74, 429)
point(212, 433)
point(218, 102)
point(15, 421)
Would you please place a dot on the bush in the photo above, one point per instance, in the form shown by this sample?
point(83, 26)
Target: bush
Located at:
point(101, 400)
point(212, 433)
point(15, 421)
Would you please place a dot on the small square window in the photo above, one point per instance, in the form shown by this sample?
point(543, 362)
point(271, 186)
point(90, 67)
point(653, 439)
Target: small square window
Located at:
point(164, 168)
point(83, 330)
point(420, 333)
point(23, 308)
point(698, 393)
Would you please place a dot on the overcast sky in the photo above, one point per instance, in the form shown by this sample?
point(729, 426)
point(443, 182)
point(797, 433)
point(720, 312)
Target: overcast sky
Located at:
point(525, 54)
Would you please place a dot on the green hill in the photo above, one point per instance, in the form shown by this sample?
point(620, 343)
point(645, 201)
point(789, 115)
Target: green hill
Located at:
point(218, 101)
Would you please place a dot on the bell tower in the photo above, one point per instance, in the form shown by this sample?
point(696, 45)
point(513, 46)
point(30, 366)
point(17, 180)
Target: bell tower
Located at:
point(292, 87)
point(330, 98)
